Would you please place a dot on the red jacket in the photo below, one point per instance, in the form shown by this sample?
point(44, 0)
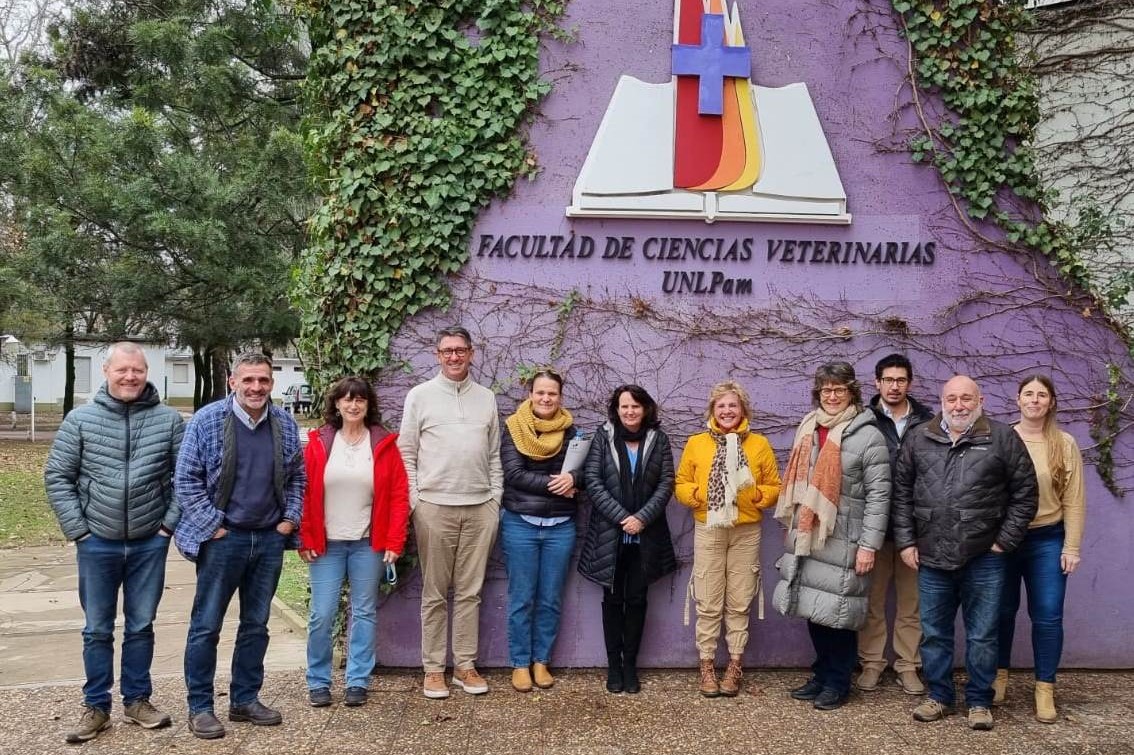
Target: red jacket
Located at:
point(390, 510)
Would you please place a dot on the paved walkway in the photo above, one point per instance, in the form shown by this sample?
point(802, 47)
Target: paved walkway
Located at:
point(40, 694)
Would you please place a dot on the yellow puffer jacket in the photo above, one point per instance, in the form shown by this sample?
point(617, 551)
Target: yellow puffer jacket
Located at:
point(693, 476)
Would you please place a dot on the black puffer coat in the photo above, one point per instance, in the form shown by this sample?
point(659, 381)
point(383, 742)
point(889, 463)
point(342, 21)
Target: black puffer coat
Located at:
point(954, 501)
point(525, 479)
point(604, 533)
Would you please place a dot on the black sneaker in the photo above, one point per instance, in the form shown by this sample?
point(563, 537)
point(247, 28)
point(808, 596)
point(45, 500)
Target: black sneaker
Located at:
point(255, 713)
point(355, 696)
point(829, 699)
point(809, 691)
point(320, 697)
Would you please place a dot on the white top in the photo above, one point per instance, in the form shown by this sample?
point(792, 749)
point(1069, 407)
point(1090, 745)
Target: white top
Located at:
point(348, 488)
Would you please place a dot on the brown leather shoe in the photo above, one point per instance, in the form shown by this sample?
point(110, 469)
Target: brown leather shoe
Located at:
point(470, 680)
point(521, 680)
point(709, 686)
point(542, 677)
point(730, 682)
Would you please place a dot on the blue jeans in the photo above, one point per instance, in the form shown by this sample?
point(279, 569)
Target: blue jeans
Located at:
point(1037, 564)
point(359, 564)
point(244, 561)
point(836, 653)
point(976, 588)
point(138, 568)
point(537, 559)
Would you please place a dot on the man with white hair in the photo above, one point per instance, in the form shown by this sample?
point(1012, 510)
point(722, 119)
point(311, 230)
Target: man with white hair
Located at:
point(964, 493)
point(109, 479)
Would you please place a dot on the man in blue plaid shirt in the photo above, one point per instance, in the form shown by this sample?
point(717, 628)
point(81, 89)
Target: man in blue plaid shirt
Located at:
point(239, 482)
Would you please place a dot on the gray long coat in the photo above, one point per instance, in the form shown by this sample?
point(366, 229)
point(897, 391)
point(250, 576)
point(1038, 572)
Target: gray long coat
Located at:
point(823, 587)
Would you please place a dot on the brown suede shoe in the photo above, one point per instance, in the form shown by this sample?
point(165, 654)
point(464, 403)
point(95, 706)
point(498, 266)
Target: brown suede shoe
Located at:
point(521, 680)
point(470, 680)
point(709, 686)
point(730, 682)
point(542, 677)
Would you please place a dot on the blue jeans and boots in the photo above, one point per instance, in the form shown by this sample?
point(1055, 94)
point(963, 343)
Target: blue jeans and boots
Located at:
point(537, 560)
point(360, 565)
point(1036, 563)
point(137, 567)
point(244, 561)
point(976, 589)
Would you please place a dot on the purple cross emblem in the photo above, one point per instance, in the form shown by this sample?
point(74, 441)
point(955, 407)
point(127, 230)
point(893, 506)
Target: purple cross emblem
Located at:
point(711, 62)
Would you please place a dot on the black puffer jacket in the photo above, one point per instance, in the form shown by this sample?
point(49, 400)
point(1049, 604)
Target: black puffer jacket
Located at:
point(525, 480)
point(919, 415)
point(604, 533)
point(954, 501)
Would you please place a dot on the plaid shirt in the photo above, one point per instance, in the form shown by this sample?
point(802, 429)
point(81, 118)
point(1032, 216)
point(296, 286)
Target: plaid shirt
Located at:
point(197, 478)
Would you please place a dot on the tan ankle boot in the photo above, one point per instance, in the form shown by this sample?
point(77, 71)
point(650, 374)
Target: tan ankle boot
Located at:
point(730, 682)
point(521, 680)
point(1000, 686)
point(1045, 703)
point(709, 686)
point(542, 676)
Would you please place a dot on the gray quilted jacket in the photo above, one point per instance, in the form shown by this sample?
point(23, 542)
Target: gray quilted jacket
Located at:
point(823, 587)
point(110, 470)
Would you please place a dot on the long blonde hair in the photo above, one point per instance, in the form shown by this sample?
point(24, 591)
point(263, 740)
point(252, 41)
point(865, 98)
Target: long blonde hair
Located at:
point(1052, 435)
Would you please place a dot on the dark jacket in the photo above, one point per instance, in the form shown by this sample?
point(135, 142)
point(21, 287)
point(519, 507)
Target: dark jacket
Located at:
point(919, 414)
point(955, 500)
point(110, 470)
point(604, 533)
point(525, 480)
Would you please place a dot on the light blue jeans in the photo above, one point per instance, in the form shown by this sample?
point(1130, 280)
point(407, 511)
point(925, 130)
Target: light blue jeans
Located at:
point(537, 559)
point(360, 565)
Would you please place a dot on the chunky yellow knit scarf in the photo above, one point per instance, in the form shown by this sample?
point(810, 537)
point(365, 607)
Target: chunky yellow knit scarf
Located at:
point(537, 438)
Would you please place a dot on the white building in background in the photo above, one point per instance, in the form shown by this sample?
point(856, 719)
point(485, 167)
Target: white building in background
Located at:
point(171, 372)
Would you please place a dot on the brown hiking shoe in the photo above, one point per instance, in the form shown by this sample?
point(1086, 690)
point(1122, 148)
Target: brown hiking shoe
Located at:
point(980, 719)
point(470, 680)
point(730, 682)
point(931, 710)
point(91, 723)
point(709, 686)
point(435, 687)
point(146, 715)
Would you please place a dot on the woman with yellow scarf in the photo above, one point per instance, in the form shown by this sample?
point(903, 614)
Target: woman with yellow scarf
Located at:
point(727, 476)
point(537, 528)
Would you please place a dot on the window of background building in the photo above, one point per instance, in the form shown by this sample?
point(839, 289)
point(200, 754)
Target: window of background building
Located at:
point(180, 372)
point(82, 375)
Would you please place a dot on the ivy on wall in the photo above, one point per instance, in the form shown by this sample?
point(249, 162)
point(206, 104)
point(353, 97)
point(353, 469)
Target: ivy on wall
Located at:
point(416, 124)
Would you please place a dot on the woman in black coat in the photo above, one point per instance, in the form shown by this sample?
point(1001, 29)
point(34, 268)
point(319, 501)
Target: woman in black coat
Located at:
point(629, 479)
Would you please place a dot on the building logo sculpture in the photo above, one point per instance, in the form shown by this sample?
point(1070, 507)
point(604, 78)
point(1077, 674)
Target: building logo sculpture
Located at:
point(708, 144)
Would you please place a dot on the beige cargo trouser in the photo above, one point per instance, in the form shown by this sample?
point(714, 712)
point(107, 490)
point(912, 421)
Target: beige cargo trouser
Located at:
point(726, 576)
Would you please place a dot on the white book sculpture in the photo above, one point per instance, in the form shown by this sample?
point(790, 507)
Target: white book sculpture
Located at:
point(662, 152)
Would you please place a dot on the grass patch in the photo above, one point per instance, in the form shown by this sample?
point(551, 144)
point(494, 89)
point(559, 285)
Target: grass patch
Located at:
point(293, 588)
point(25, 517)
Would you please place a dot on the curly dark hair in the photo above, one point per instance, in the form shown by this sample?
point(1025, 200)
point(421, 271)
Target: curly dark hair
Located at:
point(351, 387)
point(649, 406)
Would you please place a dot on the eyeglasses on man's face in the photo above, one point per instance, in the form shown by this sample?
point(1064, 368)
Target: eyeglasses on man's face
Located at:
point(456, 352)
point(898, 381)
point(838, 391)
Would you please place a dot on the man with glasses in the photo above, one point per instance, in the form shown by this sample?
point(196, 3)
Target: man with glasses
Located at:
point(450, 441)
point(964, 493)
point(897, 414)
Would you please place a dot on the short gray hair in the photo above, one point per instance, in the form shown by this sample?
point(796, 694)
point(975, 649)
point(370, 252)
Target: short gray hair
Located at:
point(250, 358)
point(454, 331)
point(125, 347)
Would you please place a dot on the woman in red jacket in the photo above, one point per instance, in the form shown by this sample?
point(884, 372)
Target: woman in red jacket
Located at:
point(354, 520)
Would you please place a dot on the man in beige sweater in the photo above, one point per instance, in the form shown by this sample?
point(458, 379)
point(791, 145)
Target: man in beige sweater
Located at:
point(450, 440)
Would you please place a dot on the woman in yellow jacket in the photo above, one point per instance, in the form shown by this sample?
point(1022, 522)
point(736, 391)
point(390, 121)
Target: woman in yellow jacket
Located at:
point(727, 477)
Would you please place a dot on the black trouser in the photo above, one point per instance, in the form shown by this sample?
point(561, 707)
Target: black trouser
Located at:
point(624, 606)
point(836, 652)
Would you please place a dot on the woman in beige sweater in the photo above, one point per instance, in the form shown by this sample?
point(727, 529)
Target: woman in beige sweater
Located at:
point(1050, 551)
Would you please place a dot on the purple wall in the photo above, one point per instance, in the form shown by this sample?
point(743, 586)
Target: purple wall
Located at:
point(974, 310)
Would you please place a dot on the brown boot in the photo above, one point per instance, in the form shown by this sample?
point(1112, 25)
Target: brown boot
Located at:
point(730, 683)
point(1045, 703)
point(1000, 686)
point(542, 676)
point(709, 686)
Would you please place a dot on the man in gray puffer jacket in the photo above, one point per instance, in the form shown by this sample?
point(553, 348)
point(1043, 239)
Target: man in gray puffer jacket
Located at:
point(109, 478)
point(964, 493)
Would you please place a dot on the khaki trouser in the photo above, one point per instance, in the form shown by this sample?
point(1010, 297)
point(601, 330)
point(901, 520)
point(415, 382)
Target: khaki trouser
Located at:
point(726, 571)
point(907, 625)
point(453, 545)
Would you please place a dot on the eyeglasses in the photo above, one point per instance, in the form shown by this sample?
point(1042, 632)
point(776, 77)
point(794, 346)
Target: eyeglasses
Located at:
point(838, 391)
point(458, 352)
point(894, 381)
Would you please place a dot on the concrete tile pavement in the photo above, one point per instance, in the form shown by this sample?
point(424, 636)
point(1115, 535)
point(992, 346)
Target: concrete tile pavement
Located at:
point(40, 696)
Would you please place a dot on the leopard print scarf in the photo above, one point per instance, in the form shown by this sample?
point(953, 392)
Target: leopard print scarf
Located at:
point(728, 475)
